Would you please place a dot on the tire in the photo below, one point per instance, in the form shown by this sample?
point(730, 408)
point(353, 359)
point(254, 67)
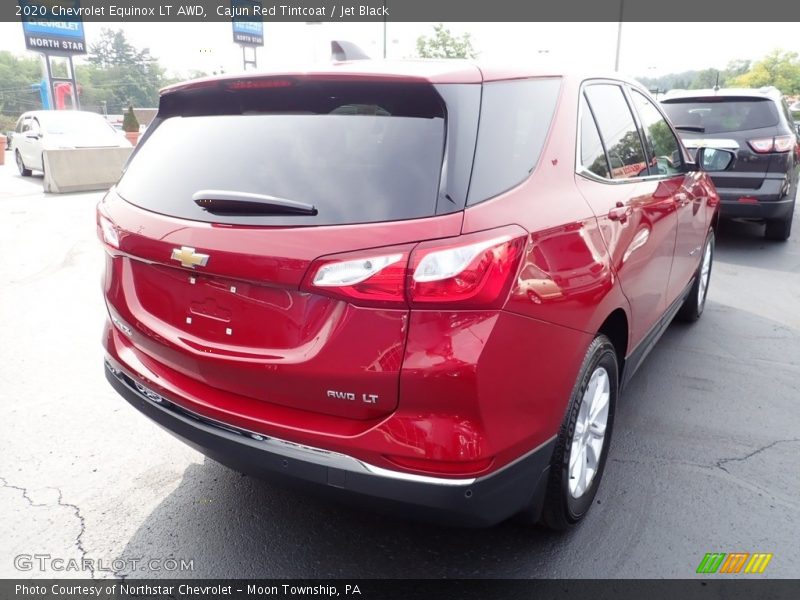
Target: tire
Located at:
point(580, 456)
point(779, 230)
point(695, 302)
point(21, 166)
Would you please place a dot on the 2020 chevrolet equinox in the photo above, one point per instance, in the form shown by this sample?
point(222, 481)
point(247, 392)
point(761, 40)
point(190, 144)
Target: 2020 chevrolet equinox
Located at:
point(416, 283)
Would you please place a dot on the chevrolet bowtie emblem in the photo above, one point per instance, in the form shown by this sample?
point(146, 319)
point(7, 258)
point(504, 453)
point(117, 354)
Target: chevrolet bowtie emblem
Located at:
point(188, 257)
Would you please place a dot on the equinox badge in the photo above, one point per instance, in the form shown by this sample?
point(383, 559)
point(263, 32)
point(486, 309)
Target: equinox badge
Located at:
point(188, 257)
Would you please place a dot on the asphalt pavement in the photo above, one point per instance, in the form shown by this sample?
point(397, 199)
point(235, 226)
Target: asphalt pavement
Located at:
point(704, 456)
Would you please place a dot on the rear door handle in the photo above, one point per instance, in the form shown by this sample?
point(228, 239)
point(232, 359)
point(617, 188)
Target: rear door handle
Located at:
point(620, 213)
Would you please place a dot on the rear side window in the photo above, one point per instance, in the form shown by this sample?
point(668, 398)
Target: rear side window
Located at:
point(618, 130)
point(593, 157)
point(357, 152)
point(514, 121)
point(721, 114)
point(663, 149)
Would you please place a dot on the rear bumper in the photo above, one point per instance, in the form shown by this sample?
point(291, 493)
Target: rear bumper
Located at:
point(481, 501)
point(765, 208)
point(772, 200)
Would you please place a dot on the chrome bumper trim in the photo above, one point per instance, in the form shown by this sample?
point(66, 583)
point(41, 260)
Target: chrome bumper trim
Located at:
point(281, 447)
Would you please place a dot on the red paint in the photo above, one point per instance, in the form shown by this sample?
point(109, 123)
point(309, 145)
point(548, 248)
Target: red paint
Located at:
point(467, 378)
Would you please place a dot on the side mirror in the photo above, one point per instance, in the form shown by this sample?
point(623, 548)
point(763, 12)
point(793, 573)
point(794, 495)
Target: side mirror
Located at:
point(32, 136)
point(714, 159)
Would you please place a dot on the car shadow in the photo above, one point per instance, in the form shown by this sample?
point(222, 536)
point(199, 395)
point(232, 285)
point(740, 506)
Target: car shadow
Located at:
point(235, 526)
point(743, 243)
point(656, 495)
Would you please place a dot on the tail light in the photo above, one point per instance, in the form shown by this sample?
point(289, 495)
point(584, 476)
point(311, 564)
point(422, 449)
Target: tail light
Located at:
point(784, 143)
point(374, 278)
point(109, 232)
point(780, 143)
point(470, 271)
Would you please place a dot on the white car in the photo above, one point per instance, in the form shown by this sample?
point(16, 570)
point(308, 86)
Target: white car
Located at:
point(41, 130)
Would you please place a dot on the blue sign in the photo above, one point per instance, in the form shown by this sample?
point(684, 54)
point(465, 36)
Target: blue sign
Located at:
point(248, 23)
point(43, 34)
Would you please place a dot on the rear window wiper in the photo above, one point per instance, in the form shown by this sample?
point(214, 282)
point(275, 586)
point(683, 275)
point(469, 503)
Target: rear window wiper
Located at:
point(231, 202)
point(696, 128)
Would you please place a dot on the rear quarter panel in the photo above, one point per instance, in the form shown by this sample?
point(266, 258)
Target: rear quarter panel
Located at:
point(566, 276)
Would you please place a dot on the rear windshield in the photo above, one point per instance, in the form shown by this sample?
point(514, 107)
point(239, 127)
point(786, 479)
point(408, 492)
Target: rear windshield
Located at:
point(721, 115)
point(356, 152)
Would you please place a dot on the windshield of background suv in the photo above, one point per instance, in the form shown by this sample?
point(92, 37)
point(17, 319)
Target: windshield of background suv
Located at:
point(721, 114)
point(358, 152)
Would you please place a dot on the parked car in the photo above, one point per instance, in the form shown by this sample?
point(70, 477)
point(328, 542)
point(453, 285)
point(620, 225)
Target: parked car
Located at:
point(758, 126)
point(41, 130)
point(376, 291)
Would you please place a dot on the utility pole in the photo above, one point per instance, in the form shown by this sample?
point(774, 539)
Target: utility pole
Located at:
point(619, 34)
point(384, 29)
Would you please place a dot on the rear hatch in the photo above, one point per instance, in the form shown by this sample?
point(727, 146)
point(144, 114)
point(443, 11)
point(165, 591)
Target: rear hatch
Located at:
point(730, 122)
point(239, 186)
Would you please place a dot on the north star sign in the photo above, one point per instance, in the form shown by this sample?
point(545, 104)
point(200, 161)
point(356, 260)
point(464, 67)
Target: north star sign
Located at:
point(248, 24)
point(53, 37)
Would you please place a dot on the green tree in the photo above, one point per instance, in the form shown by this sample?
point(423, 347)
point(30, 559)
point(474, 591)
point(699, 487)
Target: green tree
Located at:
point(779, 68)
point(17, 75)
point(736, 68)
point(663, 141)
point(113, 50)
point(129, 121)
point(443, 44)
point(707, 78)
point(118, 74)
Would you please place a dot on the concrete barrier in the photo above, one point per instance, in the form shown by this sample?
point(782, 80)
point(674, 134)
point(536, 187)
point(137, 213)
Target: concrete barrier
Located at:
point(83, 169)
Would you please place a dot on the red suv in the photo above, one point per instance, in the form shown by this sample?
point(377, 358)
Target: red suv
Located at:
point(421, 283)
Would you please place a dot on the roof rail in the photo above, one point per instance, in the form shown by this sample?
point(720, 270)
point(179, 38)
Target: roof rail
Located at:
point(343, 50)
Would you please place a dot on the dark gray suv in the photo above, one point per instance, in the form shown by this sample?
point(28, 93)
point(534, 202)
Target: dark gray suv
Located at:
point(758, 126)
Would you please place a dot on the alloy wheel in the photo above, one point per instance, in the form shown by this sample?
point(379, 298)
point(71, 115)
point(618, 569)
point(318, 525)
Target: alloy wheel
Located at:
point(588, 438)
point(705, 275)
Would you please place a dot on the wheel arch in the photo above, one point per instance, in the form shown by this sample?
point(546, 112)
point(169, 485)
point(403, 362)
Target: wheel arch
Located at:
point(615, 327)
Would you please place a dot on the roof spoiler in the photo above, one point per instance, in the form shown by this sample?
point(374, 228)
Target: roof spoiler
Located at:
point(342, 50)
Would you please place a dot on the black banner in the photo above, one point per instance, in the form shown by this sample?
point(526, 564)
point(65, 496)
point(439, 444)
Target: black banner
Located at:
point(676, 11)
point(406, 589)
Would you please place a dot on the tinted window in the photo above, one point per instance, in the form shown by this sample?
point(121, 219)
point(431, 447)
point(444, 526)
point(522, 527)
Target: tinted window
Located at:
point(618, 130)
point(515, 118)
point(722, 114)
point(593, 157)
point(357, 152)
point(663, 149)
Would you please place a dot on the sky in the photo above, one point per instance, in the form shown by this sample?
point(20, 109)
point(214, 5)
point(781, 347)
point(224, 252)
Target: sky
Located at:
point(647, 49)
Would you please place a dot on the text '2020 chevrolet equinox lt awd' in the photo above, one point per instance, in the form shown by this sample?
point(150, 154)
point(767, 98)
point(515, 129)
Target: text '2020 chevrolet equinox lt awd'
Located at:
point(416, 283)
